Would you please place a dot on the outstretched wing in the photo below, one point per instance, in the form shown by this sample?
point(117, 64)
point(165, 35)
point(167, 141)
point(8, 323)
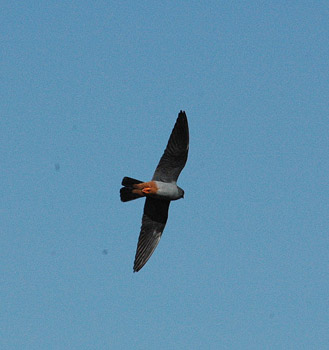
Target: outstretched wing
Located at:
point(174, 157)
point(153, 223)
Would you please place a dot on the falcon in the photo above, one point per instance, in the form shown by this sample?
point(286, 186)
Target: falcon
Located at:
point(159, 192)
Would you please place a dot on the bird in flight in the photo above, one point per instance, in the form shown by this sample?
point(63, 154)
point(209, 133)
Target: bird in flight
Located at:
point(159, 191)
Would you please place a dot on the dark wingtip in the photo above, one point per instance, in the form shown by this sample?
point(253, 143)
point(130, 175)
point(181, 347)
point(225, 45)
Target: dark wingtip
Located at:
point(182, 118)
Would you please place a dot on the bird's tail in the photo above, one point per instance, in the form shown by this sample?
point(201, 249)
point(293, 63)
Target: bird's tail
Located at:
point(126, 192)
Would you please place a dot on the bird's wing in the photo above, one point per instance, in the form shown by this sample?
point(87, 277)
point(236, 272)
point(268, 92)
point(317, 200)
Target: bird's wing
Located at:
point(174, 157)
point(153, 223)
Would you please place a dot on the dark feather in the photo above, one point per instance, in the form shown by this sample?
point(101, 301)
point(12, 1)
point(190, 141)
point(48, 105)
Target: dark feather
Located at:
point(153, 223)
point(174, 157)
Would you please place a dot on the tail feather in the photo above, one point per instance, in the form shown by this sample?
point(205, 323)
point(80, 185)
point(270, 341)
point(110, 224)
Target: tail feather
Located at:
point(126, 193)
point(129, 181)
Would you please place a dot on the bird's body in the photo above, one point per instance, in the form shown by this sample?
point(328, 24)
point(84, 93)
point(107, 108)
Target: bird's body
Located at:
point(159, 191)
point(169, 191)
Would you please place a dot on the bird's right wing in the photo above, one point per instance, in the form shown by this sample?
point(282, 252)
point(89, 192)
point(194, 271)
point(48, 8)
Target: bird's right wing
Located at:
point(153, 223)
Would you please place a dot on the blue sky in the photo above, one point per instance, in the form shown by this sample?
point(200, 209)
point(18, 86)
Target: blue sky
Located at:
point(90, 92)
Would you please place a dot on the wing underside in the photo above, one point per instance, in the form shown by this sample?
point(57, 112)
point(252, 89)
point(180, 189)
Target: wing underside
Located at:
point(153, 223)
point(174, 157)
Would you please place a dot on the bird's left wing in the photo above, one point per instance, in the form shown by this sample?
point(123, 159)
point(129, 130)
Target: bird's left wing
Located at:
point(174, 157)
point(153, 223)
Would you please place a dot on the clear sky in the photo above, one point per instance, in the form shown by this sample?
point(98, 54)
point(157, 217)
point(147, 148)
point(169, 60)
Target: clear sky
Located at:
point(90, 91)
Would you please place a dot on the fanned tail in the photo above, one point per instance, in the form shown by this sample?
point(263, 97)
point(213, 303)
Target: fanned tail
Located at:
point(126, 192)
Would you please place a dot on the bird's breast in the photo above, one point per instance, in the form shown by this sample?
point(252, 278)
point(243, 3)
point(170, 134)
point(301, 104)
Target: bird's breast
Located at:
point(167, 190)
